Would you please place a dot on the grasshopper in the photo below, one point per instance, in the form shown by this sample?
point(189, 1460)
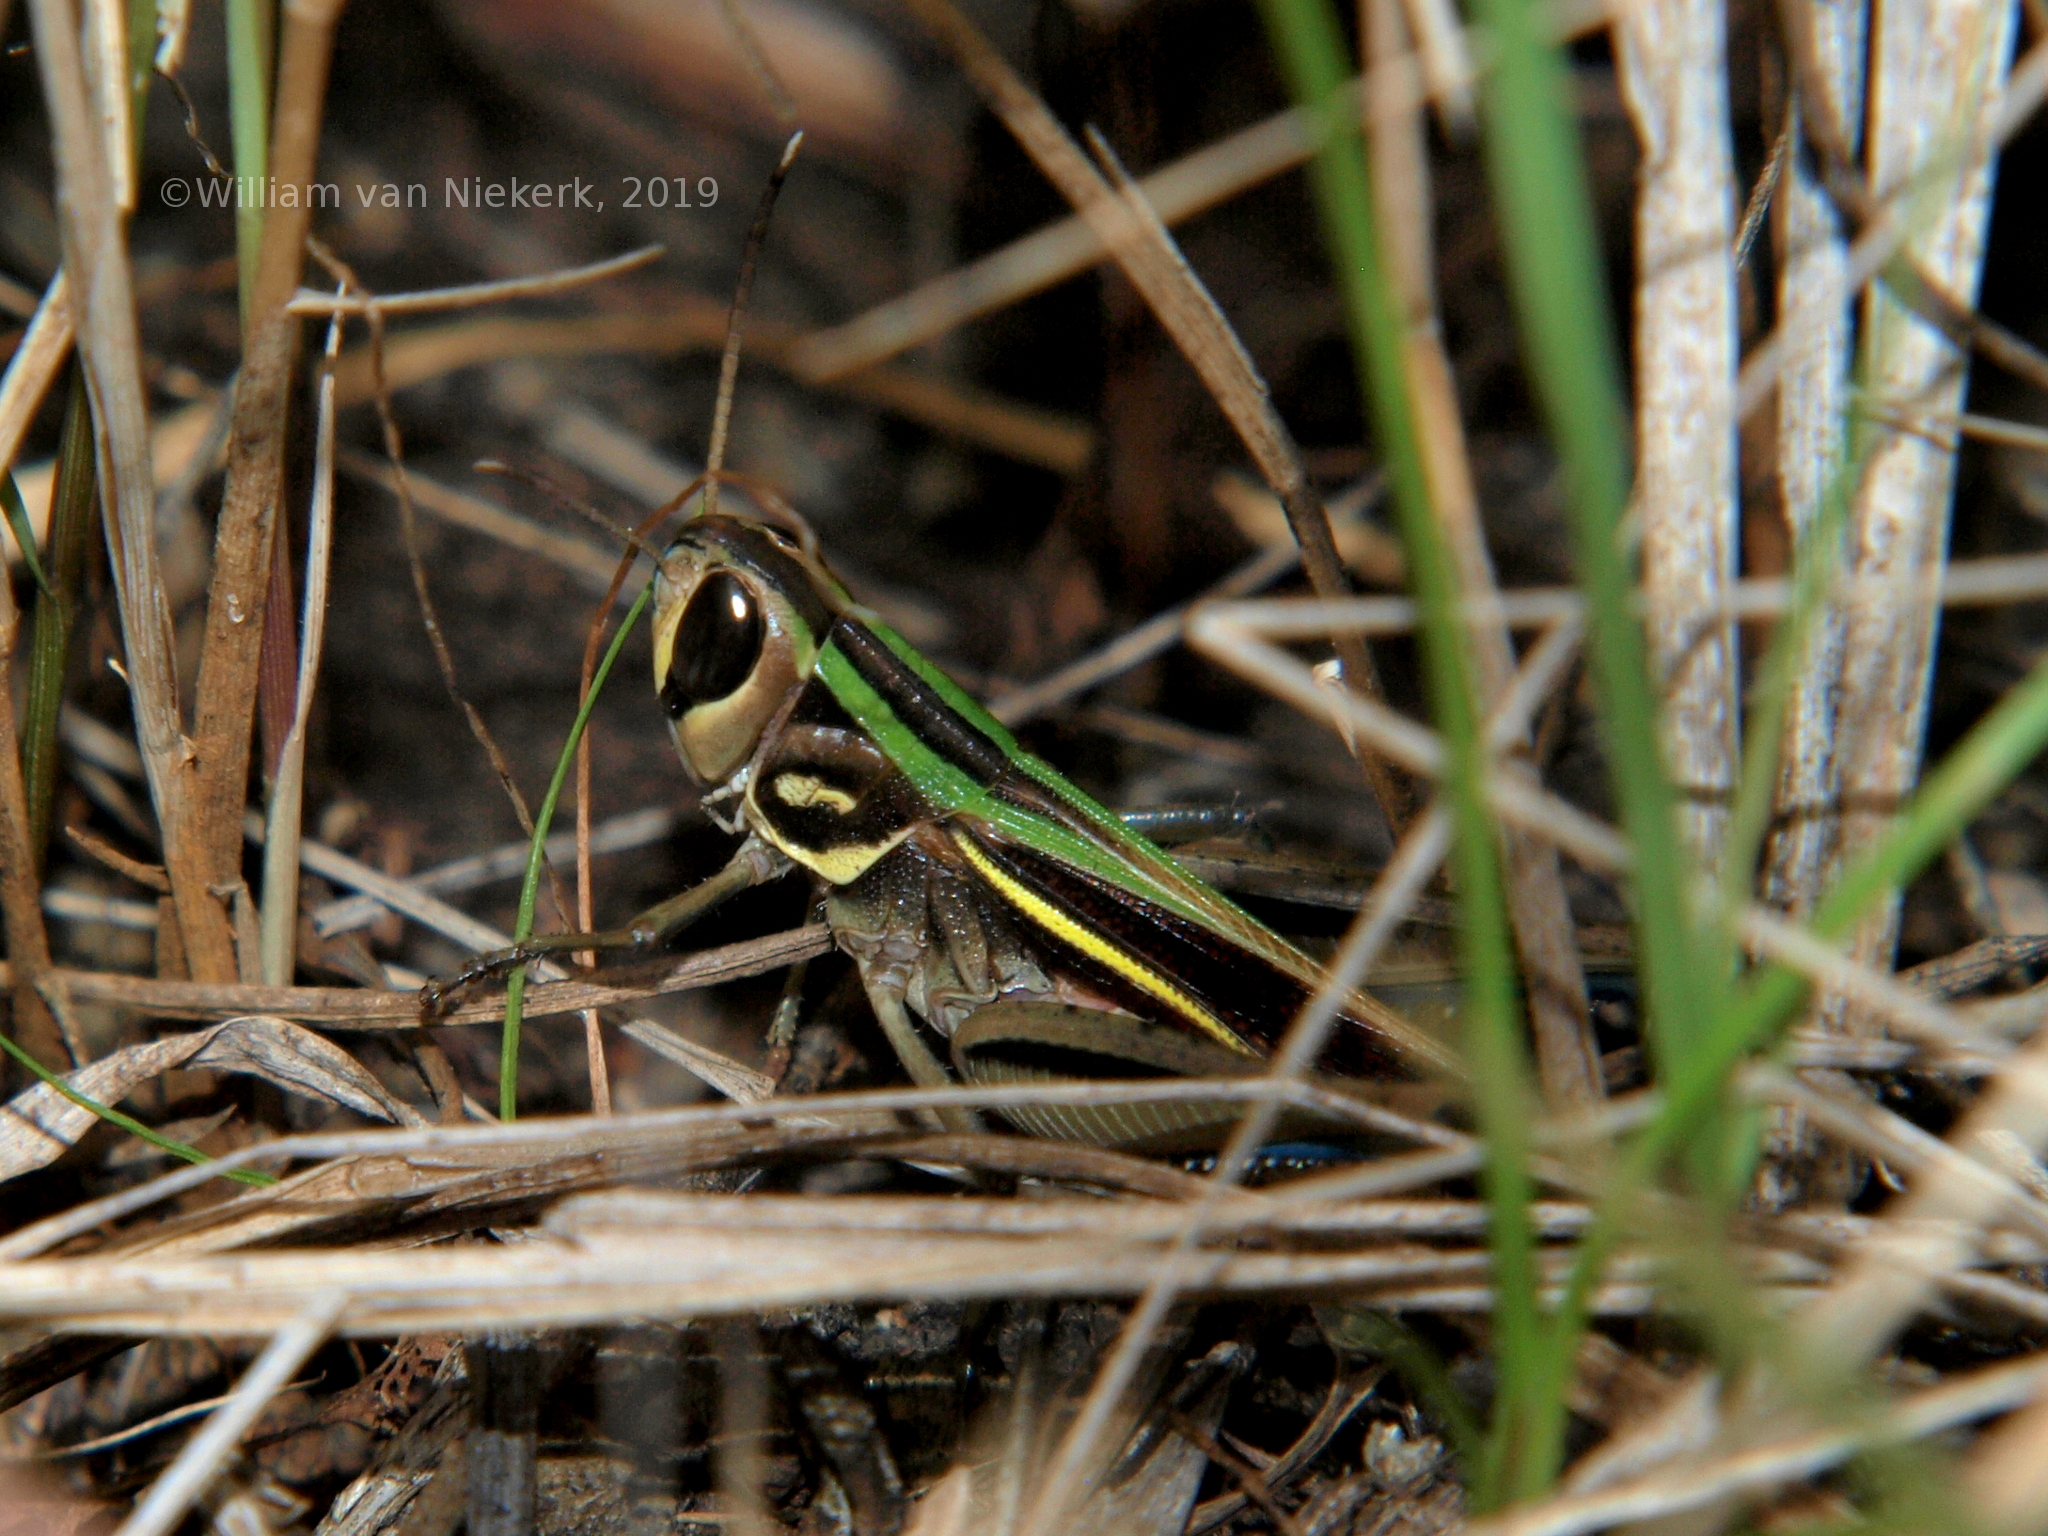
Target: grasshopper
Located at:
point(995, 912)
point(1006, 927)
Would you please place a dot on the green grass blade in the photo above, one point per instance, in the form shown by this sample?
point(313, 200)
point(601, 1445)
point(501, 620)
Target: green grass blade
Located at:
point(1728, 1167)
point(23, 529)
point(129, 1123)
point(1995, 752)
point(529, 891)
point(1310, 47)
point(1555, 270)
point(142, 19)
point(252, 26)
point(72, 505)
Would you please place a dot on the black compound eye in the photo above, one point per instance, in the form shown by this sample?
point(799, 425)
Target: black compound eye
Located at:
point(717, 644)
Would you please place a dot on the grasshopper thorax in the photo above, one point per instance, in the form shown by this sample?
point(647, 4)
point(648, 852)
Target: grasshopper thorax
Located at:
point(740, 611)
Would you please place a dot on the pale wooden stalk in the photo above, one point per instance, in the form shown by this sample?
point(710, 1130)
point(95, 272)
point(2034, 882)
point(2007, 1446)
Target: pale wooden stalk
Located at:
point(1937, 67)
point(228, 665)
point(1828, 38)
point(1674, 79)
point(280, 927)
point(103, 312)
point(1567, 1056)
point(1813, 257)
point(105, 35)
point(34, 367)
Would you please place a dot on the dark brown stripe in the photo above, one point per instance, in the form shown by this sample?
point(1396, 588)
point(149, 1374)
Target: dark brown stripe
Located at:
point(937, 724)
point(1249, 994)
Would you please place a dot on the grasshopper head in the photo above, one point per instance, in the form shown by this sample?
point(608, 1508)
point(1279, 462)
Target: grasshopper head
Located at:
point(740, 612)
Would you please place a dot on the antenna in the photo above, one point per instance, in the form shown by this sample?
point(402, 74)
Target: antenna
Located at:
point(729, 365)
point(561, 498)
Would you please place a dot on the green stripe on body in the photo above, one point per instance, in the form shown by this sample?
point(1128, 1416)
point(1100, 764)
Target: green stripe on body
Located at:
point(1105, 821)
point(953, 791)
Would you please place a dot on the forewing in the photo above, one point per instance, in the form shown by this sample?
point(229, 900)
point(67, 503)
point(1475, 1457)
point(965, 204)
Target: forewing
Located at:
point(1040, 841)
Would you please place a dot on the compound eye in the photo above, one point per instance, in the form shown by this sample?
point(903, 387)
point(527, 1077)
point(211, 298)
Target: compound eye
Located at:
point(716, 644)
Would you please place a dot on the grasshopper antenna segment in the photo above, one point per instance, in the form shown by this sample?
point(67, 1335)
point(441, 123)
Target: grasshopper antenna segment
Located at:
point(729, 364)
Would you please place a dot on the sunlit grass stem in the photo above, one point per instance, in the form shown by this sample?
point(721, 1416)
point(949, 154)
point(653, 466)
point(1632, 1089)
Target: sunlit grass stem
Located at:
point(252, 30)
point(128, 1123)
point(1995, 752)
point(529, 890)
point(1313, 58)
point(1556, 274)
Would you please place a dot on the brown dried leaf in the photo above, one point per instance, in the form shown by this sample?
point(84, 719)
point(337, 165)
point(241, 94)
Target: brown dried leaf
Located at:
point(41, 1125)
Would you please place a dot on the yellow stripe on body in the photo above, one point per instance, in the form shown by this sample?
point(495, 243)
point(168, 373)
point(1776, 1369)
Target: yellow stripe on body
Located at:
point(1064, 927)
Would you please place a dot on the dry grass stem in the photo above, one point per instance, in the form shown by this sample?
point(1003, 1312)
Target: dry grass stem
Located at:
point(38, 357)
point(1132, 232)
point(103, 33)
point(1990, 582)
point(605, 1255)
point(591, 565)
point(1934, 68)
point(1567, 1055)
point(16, 300)
point(1982, 429)
point(585, 1153)
point(280, 917)
point(1673, 76)
point(1972, 1395)
point(187, 1477)
point(36, 1028)
point(694, 323)
point(366, 1008)
point(223, 714)
point(103, 311)
point(307, 303)
point(617, 834)
point(1193, 184)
